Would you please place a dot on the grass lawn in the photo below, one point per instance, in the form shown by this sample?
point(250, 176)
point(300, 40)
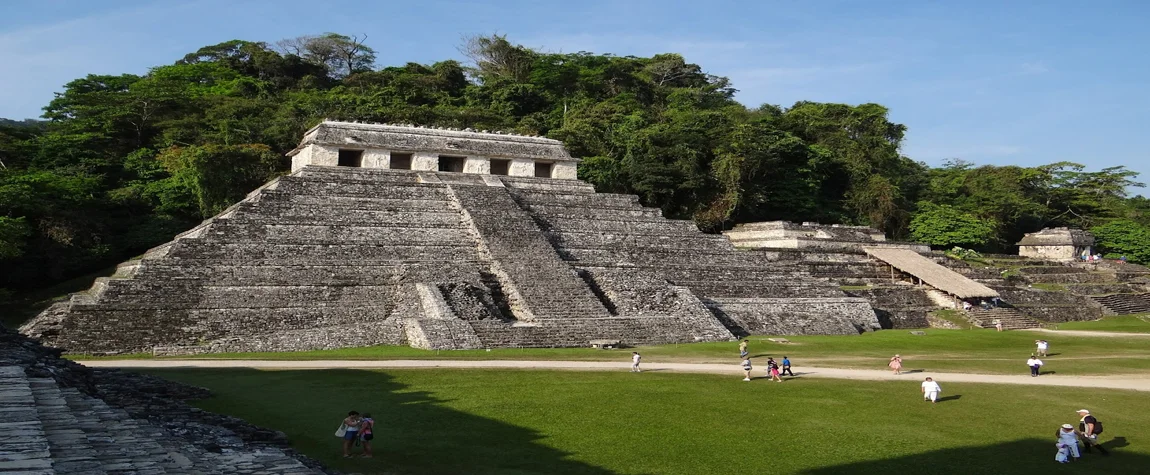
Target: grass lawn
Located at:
point(1123, 323)
point(524, 422)
point(972, 351)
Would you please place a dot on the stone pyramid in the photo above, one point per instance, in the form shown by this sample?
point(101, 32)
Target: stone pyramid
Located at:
point(510, 252)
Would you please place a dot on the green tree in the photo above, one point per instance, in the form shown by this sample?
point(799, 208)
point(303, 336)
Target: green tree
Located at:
point(1124, 237)
point(219, 175)
point(946, 226)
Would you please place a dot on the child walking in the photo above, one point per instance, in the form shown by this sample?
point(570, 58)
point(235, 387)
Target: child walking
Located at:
point(746, 369)
point(635, 362)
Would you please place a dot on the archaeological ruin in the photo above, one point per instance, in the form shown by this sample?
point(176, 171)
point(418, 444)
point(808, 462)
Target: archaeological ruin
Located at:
point(463, 239)
point(440, 239)
point(1057, 244)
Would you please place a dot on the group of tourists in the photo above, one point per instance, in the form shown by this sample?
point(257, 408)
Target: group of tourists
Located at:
point(1035, 364)
point(1088, 430)
point(775, 369)
point(356, 430)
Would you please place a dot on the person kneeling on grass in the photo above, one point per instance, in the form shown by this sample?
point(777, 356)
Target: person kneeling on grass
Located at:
point(930, 390)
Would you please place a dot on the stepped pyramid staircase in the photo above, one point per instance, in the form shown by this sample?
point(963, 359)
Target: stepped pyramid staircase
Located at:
point(49, 429)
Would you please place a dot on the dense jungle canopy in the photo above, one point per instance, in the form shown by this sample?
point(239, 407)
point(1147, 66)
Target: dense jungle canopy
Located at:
point(122, 163)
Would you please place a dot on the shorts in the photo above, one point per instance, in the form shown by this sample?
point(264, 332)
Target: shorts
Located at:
point(368, 437)
point(350, 435)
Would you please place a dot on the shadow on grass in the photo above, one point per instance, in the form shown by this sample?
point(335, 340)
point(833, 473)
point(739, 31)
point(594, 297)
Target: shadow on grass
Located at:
point(1027, 456)
point(414, 431)
point(950, 398)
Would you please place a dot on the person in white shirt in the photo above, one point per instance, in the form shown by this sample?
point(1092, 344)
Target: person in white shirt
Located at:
point(1043, 345)
point(1034, 363)
point(1068, 440)
point(930, 390)
point(635, 362)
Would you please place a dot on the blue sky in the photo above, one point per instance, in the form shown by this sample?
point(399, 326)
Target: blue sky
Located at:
point(990, 82)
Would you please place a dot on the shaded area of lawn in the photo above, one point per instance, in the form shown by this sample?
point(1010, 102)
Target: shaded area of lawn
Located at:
point(1122, 323)
point(521, 422)
point(972, 351)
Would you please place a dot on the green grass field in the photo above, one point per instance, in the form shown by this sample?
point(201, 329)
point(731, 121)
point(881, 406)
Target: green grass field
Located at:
point(1123, 323)
point(526, 422)
point(972, 351)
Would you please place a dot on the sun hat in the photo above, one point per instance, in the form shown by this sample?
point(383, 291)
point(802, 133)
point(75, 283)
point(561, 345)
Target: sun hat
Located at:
point(1067, 426)
point(1084, 410)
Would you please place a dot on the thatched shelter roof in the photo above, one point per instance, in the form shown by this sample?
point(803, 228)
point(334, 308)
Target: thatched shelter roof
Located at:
point(931, 273)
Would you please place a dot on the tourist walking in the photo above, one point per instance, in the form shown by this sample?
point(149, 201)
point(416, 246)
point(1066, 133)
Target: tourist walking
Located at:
point(998, 325)
point(743, 349)
point(1067, 444)
point(930, 390)
point(896, 364)
point(635, 362)
point(746, 369)
point(773, 370)
point(367, 432)
point(1089, 428)
point(349, 430)
point(787, 366)
point(1035, 364)
point(1042, 345)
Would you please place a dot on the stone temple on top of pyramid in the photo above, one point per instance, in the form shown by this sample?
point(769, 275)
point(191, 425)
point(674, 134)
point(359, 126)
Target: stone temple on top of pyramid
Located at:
point(439, 239)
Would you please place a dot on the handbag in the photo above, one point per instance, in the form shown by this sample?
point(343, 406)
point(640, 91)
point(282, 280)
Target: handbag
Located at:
point(341, 431)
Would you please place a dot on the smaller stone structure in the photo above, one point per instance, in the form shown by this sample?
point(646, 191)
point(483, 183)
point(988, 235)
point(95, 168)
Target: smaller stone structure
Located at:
point(435, 149)
point(813, 236)
point(1057, 244)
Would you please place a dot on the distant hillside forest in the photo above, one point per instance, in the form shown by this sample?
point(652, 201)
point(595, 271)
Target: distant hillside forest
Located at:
point(123, 163)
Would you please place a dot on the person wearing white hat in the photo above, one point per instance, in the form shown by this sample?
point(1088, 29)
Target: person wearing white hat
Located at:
point(1068, 441)
point(1090, 428)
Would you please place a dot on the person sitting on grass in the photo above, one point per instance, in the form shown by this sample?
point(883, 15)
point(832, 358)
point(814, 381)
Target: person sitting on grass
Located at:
point(351, 425)
point(366, 432)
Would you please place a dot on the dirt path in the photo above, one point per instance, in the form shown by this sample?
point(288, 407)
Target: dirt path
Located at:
point(1087, 333)
point(1135, 382)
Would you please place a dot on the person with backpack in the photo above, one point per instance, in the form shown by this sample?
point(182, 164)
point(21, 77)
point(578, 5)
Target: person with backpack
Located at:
point(1089, 427)
point(366, 431)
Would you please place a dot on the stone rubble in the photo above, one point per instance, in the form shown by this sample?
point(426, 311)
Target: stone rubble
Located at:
point(59, 417)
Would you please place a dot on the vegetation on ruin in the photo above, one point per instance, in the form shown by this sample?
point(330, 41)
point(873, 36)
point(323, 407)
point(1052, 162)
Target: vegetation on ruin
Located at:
point(521, 422)
point(961, 351)
point(121, 163)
